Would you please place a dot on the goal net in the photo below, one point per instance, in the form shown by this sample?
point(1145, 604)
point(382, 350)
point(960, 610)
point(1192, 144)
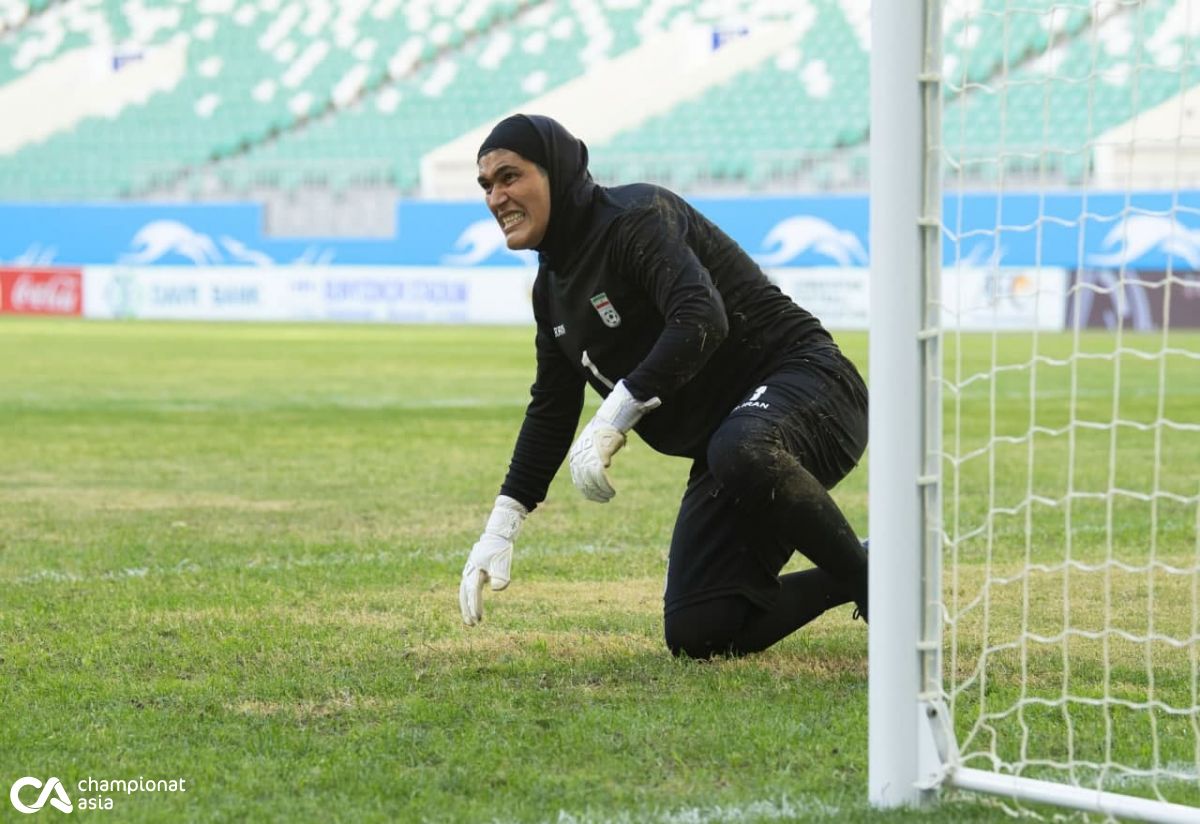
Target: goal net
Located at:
point(1057, 340)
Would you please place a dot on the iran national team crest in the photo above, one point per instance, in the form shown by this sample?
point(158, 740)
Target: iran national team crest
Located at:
point(608, 312)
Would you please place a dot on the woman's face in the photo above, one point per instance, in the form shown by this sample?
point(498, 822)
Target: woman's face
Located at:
point(518, 194)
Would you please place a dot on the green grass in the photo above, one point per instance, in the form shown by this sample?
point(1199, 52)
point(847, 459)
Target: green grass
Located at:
point(230, 553)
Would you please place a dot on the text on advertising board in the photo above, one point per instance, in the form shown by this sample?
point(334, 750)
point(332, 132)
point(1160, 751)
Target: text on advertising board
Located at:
point(51, 290)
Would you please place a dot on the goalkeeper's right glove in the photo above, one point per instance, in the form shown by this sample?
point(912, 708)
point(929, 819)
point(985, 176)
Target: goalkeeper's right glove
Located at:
point(490, 558)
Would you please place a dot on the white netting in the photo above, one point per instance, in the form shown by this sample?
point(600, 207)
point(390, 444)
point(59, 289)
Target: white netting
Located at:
point(1070, 298)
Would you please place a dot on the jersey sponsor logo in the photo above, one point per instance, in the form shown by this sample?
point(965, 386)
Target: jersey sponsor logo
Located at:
point(608, 312)
point(753, 401)
point(560, 330)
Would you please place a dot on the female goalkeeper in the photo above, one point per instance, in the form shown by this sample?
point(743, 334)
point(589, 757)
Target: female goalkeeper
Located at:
point(691, 346)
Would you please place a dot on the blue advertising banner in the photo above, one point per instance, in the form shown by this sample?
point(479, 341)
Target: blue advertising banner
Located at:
point(1146, 230)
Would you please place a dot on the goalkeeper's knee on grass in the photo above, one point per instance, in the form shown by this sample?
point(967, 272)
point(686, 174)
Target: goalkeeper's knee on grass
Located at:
point(706, 629)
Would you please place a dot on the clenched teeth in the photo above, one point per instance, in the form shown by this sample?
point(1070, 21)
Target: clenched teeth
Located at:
point(511, 219)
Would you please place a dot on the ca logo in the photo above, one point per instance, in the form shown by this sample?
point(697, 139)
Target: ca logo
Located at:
point(758, 393)
point(61, 802)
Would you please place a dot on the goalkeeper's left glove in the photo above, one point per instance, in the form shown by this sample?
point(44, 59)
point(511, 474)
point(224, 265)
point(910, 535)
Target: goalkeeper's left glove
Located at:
point(602, 438)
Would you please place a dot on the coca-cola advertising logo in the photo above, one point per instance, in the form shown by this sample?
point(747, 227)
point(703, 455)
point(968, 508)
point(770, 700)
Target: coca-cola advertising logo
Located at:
point(49, 290)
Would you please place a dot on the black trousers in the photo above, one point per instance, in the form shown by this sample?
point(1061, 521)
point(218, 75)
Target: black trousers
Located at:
point(760, 493)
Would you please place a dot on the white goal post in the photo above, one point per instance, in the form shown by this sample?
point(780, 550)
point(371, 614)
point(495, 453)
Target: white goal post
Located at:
point(1034, 486)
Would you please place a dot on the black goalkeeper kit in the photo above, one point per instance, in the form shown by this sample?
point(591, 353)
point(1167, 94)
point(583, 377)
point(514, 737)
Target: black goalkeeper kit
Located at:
point(635, 284)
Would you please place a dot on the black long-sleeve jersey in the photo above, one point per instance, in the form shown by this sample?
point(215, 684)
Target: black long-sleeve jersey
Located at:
point(654, 293)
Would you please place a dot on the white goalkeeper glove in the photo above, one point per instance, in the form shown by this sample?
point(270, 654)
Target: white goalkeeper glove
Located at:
point(490, 558)
point(602, 438)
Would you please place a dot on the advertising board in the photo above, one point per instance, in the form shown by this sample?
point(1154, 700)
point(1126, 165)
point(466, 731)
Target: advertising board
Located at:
point(41, 290)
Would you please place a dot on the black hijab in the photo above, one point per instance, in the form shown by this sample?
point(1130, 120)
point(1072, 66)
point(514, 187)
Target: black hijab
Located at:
point(573, 193)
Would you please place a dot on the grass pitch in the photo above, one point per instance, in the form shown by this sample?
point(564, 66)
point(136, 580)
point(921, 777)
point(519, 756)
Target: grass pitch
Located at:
point(230, 554)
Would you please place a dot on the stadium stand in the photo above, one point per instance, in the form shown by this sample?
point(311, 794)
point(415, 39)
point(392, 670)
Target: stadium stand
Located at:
point(541, 48)
point(226, 97)
point(1035, 128)
point(256, 72)
point(810, 97)
point(253, 71)
point(450, 91)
